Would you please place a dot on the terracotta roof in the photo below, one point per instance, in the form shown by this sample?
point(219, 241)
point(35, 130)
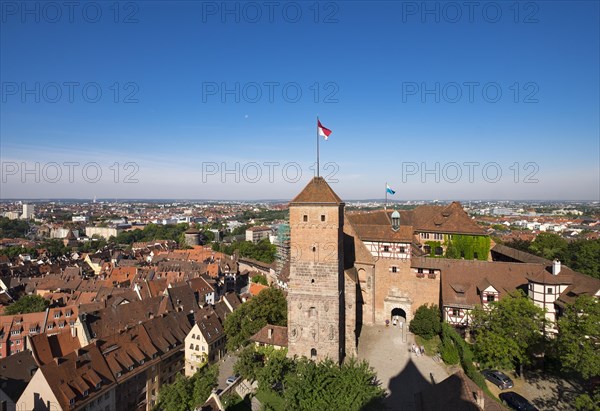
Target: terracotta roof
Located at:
point(47, 347)
point(518, 255)
point(272, 335)
point(79, 376)
point(256, 288)
point(209, 325)
point(461, 278)
point(450, 219)
point(317, 191)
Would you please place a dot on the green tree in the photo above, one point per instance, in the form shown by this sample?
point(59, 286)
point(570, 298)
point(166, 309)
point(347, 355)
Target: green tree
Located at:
point(518, 244)
point(27, 304)
point(275, 367)
point(249, 363)
point(14, 251)
point(549, 246)
point(188, 393)
point(13, 228)
point(586, 402)
point(584, 256)
point(268, 307)
point(426, 322)
point(508, 331)
point(260, 279)
point(317, 386)
point(578, 340)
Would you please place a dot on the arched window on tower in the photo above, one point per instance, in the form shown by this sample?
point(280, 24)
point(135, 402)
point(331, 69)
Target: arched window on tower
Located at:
point(313, 353)
point(395, 220)
point(312, 312)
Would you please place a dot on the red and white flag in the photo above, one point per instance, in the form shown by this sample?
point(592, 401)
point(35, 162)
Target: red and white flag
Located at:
point(323, 131)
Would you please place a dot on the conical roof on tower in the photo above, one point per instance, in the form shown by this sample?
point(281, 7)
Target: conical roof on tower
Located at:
point(317, 191)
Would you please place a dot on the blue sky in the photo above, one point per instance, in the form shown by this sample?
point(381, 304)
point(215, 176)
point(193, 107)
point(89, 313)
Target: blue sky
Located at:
point(185, 96)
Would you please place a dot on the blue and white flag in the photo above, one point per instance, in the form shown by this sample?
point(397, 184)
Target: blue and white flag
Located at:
point(389, 189)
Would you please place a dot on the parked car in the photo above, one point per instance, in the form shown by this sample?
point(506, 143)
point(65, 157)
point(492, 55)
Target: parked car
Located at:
point(498, 378)
point(516, 401)
point(232, 379)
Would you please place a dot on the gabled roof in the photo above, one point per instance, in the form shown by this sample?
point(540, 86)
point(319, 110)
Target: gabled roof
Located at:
point(317, 191)
point(15, 373)
point(272, 335)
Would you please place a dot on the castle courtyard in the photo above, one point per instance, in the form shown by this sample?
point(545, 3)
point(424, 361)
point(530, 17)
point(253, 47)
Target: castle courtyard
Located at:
point(401, 372)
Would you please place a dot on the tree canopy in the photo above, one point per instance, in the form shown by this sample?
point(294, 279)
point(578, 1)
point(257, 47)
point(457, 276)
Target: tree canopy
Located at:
point(549, 245)
point(578, 340)
point(262, 251)
point(268, 307)
point(426, 322)
point(317, 386)
point(188, 393)
point(508, 332)
point(27, 304)
point(13, 228)
point(581, 255)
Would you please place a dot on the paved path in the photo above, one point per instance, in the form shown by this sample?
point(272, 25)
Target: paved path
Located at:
point(401, 373)
point(226, 370)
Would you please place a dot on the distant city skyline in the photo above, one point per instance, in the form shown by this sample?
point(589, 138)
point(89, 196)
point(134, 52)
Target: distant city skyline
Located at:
point(178, 99)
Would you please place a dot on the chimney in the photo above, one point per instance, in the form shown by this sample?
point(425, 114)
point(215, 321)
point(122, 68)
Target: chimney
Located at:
point(479, 400)
point(270, 334)
point(555, 267)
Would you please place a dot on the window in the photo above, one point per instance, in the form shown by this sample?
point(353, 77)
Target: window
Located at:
point(437, 236)
point(312, 312)
point(313, 353)
point(427, 249)
point(550, 290)
point(491, 298)
point(402, 249)
point(56, 314)
point(386, 248)
point(475, 255)
point(431, 271)
point(439, 251)
point(455, 312)
point(50, 326)
point(394, 269)
point(305, 218)
point(85, 393)
point(425, 235)
point(191, 346)
point(15, 332)
point(193, 335)
point(322, 217)
point(197, 348)
point(420, 270)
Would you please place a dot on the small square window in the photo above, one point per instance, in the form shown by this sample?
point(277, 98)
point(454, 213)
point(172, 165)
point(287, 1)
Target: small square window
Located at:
point(305, 218)
point(420, 270)
point(386, 248)
point(322, 217)
point(550, 290)
point(455, 312)
point(491, 298)
point(394, 269)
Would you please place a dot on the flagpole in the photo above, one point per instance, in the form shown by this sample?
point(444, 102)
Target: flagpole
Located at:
point(317, 145)
point(385, 206)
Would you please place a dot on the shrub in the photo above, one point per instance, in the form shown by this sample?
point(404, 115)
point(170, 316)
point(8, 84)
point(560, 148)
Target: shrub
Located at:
point(426, 321)
point(449, 352)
